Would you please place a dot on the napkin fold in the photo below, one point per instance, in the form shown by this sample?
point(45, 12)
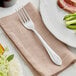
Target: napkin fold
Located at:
point(30, 46)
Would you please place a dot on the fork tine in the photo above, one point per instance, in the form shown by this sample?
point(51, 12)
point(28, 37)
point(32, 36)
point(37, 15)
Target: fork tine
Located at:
point(23, 15)
point(20, 17)
point(26, 14)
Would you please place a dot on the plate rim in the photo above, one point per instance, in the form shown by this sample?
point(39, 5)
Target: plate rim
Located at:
point(52, 31)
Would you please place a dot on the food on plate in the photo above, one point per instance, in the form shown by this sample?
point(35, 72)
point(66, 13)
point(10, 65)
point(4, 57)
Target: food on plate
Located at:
point(9, 65)
point(15, 68)
point(70, 21)
point(4, 64)
point(71, 2)
point(1, 49)
point(67, 5)
point(70, 17)
point(70, 6)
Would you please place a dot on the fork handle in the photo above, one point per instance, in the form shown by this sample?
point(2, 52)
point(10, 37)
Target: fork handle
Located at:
point(55, 58)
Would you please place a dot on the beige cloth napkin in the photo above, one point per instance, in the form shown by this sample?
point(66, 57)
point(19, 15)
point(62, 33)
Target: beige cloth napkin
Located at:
point(30, 46)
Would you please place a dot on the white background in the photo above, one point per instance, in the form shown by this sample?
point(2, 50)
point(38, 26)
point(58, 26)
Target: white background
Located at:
point(71, 71)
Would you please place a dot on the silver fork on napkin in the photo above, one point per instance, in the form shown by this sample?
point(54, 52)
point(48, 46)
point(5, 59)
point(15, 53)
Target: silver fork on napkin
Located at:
point(28, 23)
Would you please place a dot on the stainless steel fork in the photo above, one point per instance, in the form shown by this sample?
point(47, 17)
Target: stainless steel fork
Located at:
point(28, 23)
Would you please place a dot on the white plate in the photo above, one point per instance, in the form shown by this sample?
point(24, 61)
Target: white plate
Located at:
point(53, 16)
